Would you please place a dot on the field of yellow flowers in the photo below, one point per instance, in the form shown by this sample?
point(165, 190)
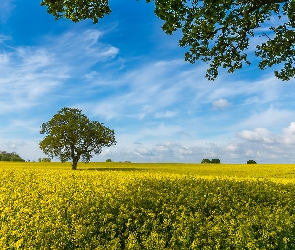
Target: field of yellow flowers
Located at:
point(146, 206)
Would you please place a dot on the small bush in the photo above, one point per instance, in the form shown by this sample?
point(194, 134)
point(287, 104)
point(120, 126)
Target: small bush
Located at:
point(46, 159)
point(251, 162)
point(215, 161)
point(108, 160)
point(205, 161)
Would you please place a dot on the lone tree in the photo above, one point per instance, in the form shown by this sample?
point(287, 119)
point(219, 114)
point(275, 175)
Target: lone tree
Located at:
point(217, 32)
point(71, 135)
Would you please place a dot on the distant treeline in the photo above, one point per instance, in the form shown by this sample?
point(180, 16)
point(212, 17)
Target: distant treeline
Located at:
point(5, 156)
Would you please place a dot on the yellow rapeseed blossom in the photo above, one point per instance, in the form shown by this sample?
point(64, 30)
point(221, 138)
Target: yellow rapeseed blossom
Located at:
point(146, 206)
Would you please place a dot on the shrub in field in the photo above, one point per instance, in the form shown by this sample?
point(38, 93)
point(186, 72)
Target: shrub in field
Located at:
point(215, 161)
point(46, 159)
point(108, 160)
point(251, 162)
point(205, 161)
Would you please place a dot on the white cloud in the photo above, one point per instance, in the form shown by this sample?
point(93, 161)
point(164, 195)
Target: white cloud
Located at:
point(166, 114)
point(260, 145)
point(259, 134)
point(289, 134)
point(221, 104)
point(143, 151)
point(264, 145)
point(13, 145)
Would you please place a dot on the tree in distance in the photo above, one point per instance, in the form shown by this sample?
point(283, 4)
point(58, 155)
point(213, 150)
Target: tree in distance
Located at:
point(217, 161)
point(251, 162)
point(46, 159)
point(216, 32)
point(5, 156)
point(70, 135)
point(205, 161)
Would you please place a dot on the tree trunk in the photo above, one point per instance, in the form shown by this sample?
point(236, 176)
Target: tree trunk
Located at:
point(75, 157)
point(75, 162)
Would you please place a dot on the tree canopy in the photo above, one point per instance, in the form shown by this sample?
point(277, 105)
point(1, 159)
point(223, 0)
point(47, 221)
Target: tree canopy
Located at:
point(216, 32)
point(70, 135)
point(5, 156)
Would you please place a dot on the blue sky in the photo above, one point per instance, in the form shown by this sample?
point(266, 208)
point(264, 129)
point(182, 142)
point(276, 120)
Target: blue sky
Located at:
point(127, 73)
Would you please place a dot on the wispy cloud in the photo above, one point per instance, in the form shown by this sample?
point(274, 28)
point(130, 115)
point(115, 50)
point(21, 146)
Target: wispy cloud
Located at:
point(6, 8)
point(166, 114)
point(149, 92)
point(81, 50)
point(4, 38)
point(28, 74)
point(267, 118)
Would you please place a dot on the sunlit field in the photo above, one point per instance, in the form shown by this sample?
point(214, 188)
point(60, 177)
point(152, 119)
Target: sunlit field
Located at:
point(277, 171)
point(147, 206)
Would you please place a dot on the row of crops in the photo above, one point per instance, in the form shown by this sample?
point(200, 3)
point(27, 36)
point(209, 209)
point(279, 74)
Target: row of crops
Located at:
point(61, 209)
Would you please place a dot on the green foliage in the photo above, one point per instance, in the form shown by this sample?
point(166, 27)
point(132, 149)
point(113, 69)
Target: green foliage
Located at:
point(212, 161)
point(216, 32)
point(251, 162)
point(108, 160)
point(46, 159)
point(205, 161)
point(71, 135)
point(219, 33)
point(215, 161)
point(5, 156)
point(77, 10)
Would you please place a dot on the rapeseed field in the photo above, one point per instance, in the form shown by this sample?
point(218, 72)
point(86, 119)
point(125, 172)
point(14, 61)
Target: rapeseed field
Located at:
point(146, 206)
